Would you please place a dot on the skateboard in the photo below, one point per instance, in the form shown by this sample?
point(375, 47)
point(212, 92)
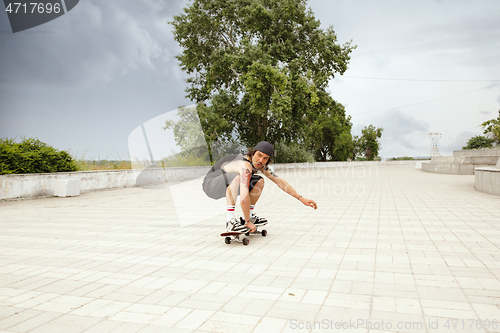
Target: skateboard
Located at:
point(235, 236)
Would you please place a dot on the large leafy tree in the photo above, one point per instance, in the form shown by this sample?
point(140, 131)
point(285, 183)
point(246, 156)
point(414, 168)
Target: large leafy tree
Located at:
point(368, 144)
point(329, 131)
point(259, 68)
point(191, 138)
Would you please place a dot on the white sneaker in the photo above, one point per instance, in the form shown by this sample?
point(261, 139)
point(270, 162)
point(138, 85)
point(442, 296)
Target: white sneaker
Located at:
point(258, 221)
point(234, 225)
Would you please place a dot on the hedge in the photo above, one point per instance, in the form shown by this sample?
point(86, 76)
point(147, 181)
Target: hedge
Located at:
point(32, 156)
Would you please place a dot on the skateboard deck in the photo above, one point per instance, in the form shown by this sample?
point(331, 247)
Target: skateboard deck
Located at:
point(239, 236)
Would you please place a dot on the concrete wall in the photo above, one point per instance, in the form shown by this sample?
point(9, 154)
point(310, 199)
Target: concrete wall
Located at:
point(477, 152)
point(42, 184)
point(448, 168)
point(285, 166)
point(463, 162)
point(37, 185)
point(488, 180)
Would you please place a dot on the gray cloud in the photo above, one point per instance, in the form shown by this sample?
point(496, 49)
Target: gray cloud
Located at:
point(95, 43)
point(460, 36)
point(486, 113)
point(457, 142)
point(403, 134)
point(427, 31)
point(85, 80)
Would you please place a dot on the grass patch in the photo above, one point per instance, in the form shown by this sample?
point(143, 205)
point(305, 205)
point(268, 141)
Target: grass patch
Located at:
point(89, 165)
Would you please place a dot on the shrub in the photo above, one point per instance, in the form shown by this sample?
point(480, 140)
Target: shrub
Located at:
point(292, 153)
point(32, 156)
point(404, 158)
point(479, 142)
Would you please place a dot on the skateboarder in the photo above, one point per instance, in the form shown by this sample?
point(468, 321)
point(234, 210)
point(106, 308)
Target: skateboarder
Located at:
point(236, 174)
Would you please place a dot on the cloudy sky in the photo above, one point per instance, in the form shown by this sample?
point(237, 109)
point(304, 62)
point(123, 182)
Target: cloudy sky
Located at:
point(85, 81)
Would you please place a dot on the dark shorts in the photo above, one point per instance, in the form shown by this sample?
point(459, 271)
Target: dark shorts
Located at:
point(216, 183)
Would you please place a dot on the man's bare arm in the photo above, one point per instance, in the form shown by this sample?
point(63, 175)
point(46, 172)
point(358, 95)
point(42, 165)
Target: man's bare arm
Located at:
point(286, 187)
point(245, 176)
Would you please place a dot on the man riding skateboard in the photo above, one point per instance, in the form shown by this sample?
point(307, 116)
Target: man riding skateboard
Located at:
point(236, 174)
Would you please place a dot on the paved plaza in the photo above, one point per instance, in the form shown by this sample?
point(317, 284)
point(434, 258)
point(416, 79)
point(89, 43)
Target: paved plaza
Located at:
point(390, 249)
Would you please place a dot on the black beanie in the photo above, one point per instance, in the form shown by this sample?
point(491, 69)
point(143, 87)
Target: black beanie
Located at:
point(265, 147)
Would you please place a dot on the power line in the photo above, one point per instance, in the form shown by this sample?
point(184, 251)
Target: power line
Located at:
point(414, 80)
point(431, 100)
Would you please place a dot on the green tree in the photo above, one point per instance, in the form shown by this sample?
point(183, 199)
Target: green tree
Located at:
point(193, 141)
point(491, 137)
point(492, 129)
point(329, 131)
point(356, 148)
point(478, 142)
point(188, 133)
point(292, 153)
point(32, 156)
point(257, 68)
point(368, 142)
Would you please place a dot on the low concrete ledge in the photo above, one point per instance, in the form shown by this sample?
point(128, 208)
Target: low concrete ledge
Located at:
point(448, 168)
point(477, 152)
point(487, 180)
point(67, 188)
point(319, 165)
point(42, 184)
point(463, 162)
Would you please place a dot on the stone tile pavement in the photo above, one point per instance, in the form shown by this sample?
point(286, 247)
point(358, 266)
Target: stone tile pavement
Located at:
point(390, 249)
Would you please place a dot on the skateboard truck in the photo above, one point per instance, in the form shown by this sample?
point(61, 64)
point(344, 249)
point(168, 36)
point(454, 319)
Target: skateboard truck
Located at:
point(257, 232)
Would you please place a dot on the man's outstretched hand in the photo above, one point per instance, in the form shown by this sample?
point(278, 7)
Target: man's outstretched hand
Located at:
point(308, 202)
point(251, 226)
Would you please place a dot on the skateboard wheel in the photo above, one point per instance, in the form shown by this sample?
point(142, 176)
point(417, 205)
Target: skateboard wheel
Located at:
point(245, 241)
point(264, 233)
point(227, 240)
